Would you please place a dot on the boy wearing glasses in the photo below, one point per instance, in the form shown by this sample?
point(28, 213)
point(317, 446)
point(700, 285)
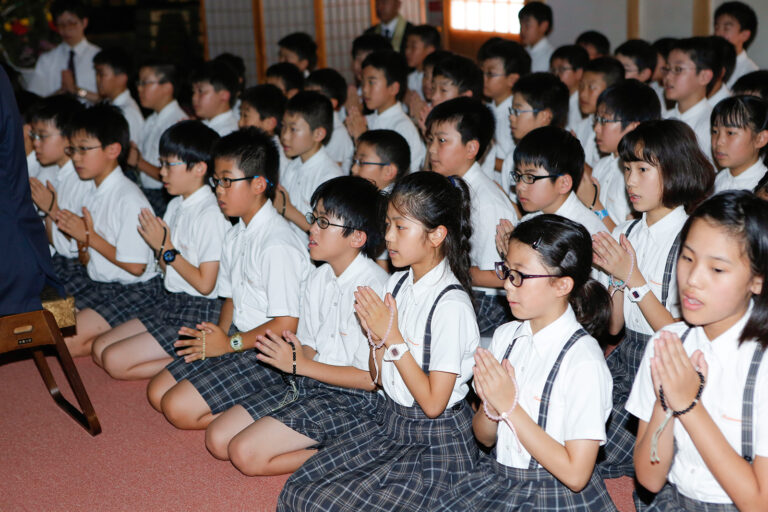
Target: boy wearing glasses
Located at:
point(262, 106)
point(187, 244)
point(263, 267)
point(567, 64)
point(330, 346)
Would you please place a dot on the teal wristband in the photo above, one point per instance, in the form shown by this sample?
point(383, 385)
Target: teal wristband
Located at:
point(601, 214)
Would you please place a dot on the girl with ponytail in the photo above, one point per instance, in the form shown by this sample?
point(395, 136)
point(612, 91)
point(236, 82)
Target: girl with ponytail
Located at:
point(544, 383)
point(423, 335)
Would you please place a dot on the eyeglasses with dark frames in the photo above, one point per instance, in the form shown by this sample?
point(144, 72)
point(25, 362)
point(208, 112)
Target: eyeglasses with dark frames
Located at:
point(80, 150)
point(515, 277)
point(227, 182)
point(530, 179)
point(361, 163)
point(322, 222)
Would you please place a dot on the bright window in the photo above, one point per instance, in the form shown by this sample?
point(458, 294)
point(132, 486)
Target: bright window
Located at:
point(498, 16)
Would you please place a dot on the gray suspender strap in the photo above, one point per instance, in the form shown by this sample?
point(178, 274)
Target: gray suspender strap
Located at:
point(427, 353)
point(631, 227)
point(748, 405)
point(668, 267)
point(546, 394)
point(399, 284)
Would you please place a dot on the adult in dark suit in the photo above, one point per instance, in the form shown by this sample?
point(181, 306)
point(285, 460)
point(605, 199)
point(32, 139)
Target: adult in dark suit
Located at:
point(391, 24)
point(25, 263)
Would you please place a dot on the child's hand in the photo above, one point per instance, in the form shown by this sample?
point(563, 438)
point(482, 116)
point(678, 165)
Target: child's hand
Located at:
point(503, 229)
point(374, 313)
point(277, 352)
point(134, 155)
point(495, 380)
point(415, 104)
point(422, 124)
point(68, 83)
point(151, 229)
point(353, 99)
point(44, 196)
point(672, 369)
point(216, 342)
point(613, 257)
point(282, 198)
point(355, 123)
point(77, 227)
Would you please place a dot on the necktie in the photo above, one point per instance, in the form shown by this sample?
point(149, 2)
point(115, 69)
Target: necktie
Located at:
point(385, 33)
point(71, 64)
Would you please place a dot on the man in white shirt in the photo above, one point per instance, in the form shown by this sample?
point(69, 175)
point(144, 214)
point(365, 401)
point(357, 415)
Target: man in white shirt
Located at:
point(535, 25)
point(737, 23)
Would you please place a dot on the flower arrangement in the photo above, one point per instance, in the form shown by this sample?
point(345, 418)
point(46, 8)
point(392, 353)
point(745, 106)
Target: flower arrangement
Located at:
point(27, 31)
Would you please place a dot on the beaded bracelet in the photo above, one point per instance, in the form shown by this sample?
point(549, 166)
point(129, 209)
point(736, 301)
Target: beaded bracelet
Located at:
point(505, 416)
point(203, 339)
point(672, 414)
point(162, 244)
point(282, 211)
point(375, 346)
point(53, 200)
point(292, 393)
point(618, 284)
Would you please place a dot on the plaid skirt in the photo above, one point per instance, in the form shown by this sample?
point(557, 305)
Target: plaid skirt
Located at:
point(494, 486)
point(323, 412)
point(72, 274)
point(170, 311)
point(117, 303)
point(491, 311)
point(401, 461)
point(615, 457)
point(227, 380)
point(669, 499)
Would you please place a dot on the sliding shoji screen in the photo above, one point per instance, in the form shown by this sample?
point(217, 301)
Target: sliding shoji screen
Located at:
point(229, 27)
point(498, 16)
point(343, 21)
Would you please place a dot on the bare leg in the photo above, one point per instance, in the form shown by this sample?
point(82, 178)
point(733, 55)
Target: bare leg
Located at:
point(268, 447)
point(158, 387)
point(89, 325)
point(121, 332)
point(134, 358)
point(221, 430)
point(185, 408)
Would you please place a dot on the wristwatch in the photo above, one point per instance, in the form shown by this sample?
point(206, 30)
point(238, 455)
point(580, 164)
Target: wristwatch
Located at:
point(236, 342)
point(637, 294)
point(395, 352)
point(170, 255)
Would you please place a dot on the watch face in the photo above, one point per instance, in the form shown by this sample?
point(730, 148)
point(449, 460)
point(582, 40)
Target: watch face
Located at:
point(169, 256)
point(395, 352)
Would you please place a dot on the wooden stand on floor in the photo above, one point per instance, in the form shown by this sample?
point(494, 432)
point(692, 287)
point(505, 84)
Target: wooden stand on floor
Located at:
point(36, 330)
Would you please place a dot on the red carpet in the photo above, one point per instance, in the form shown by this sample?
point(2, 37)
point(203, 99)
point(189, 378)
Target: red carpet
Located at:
point(138, 462)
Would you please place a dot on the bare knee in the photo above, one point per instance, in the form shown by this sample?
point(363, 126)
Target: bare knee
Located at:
point(217, 441)
point(111, 362)
point(180, 413)
point(157, 388)
point(97, 350)
point(244, 456)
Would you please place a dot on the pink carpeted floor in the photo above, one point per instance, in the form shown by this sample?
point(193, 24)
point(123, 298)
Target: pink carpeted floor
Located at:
point(138, 463)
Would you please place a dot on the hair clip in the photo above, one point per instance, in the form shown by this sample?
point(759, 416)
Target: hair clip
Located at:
point(535, 244)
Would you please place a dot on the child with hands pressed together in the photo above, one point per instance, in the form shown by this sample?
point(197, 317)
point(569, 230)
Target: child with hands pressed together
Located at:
point(544, 383)
point(699, 395)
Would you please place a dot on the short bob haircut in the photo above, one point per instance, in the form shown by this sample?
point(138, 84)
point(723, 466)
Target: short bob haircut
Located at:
point(755, 83)
point(463, 72)
point(516, 60)
point(473, 121)
point(315, 109)
point(391, 147)
point(191, 142)
point(553, 149)
point(631, 101)
point(394, 67)
point(291, 76)
point(105, 123)
point(268, 100)
point(330, 82)
point(747, 112)
point(357, 203)
point(574, 54)
point(544, 91)
point(254, 152)
point(670, 145)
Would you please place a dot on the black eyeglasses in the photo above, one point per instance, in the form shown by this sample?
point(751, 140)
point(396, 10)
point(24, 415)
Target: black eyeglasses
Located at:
point(322, 222)
point(227, 182)
point(517, 111)
point(604, 120)
point(80, 150)
point(361, 163)
point(515, 277)
point(530, 179)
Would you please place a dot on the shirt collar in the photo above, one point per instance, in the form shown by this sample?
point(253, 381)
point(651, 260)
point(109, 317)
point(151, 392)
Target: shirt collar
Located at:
point(543, 43)
point(353, 270)
point(757, 170)
point(428, 280)
point(221, 118)
point(551, 338)
point(693, 112)
point(79, 48)
point(669, 223)
point(197, 197)
point(122, 98)
point(111, 181)
point(728, 342)
point(391, 26)
point(266, 215)
point(314, 159)
point(570, 204)
point(391, 112)
point(168, 110)
point(473, 174)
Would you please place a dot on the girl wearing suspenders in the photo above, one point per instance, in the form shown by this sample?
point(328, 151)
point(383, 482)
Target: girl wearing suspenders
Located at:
point(701, 394)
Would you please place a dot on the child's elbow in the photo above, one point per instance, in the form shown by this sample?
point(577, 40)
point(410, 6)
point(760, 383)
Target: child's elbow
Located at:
point(433, 411)
point(649, 480)
point(577, 482)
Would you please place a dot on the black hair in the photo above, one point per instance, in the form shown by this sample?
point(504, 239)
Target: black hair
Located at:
point(116, 58)
point(541, 12)
point(106, 124)
point(330, 82)
point(483, 47)
point(391, 147)
point(596, 39)
point(565, 249)
point(370, 43)
point(611, 69)
point(58, 110)
point(59, 7)
point(513, 55)
point(754, 83)
point(434, 200)
point(237, 64)
point(394, 67)
point(631, 101)
point(291, 76)
point(671, 146)
point(463, 72)
point(428, 35)
point(703, 55)
point(266, 99)
point(254, 153)
point(744, 14)
point(726, 57)
point(473, 120)
point(435, 58)
point(545, 91)
point(745, 217)
point(220, 75)
point(663, 46)
point(165, 71)
point(315, 109)
point(762, 185)
point(302, 45)
point(641, 52)
point(574, 54)
point(554, 149)
point(357, 203)
point(748, 112)
point(191, 142)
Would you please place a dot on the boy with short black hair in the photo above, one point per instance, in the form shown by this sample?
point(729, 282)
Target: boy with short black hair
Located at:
point(362, 47)
point(456, 76)
point(286, 77)
point(299, 49)
point(596, 44)
point(307, 128)
point(737, 22)
point(214, 88)
point(264, 265)
point(332, 85)
point(535, 25)
point(420, 41)
point(263, 107)
point(237, 64)
point(638, 58)
point(567, 64)
point(382, 157)
point(113, 68)
point(754, 83)
point(726, 61)
point(460, 131)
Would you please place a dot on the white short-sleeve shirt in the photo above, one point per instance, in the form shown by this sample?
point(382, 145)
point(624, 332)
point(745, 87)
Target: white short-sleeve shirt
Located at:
point(743, 66)
point(394, 118)
point(581, 399)
point(613, 190)
point(71, 192)
point(263, 269)
point(697, 117)
point(223, 124)
point(747, 180)
point(652, 246)
point(585, 132)
point(507, 168)
point(454, 331)
point(721, 94)
point(727, 368)
point(540, 54)
point(574, 112)
point(154, 126)
point(115, 206)
point(659, 90)
point(284, 161)
point(132, 113)
point(502, 137)
point(340, 148)
point(197, 229)
point(47, 77)
point(415, 78)
point(328, 322)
